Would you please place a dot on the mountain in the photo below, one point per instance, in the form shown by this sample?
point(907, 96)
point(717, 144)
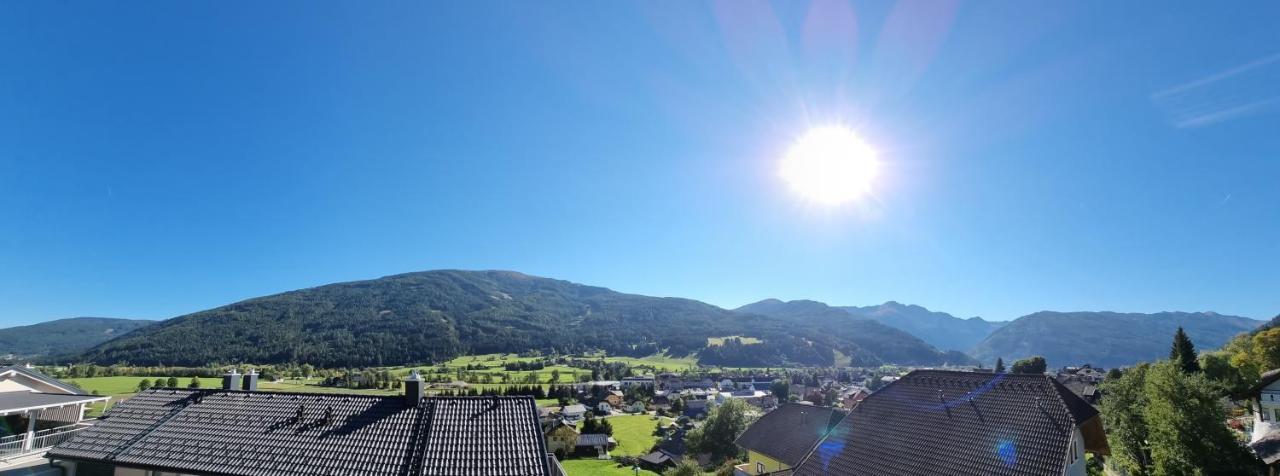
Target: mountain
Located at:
point(1105, 339)
point(64, 336)
point(939, 329)
point(437, 315)
point(859, 337)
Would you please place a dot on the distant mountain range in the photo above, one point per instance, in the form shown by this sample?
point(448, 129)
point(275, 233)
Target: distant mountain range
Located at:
point(432, 316)
point(437, 315)
point(64, 337)
point(939, 329)
point(1106, 339)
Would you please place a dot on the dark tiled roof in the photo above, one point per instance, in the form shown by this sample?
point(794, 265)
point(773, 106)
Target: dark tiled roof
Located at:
point(942, 422)
point(788, 433)
point(259, 434)
point(1267, 448)
point(593, 439)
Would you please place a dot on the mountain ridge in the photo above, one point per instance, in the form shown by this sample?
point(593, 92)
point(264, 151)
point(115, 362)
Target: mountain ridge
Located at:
point(431, 316)
point(66, 336)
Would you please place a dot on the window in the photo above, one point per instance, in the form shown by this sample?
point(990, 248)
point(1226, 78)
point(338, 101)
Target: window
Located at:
point(759, 468)
point(1277, 411)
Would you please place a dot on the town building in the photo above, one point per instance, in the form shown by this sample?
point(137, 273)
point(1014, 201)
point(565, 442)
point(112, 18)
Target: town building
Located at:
point(38, 411)
point(781, 439)
point(950, 422)
point(1264, 399)
point(235, 432)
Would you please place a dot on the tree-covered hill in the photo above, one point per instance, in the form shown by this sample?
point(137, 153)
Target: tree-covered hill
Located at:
point(1106, 339)
point(437, 315)
point(63, 337)
point(939, 329)
point(866, 340)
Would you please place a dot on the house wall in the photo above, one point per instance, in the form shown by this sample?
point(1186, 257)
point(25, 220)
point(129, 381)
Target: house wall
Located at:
point(770, 464)
point(1266, 413)
point(562, 438)
point(1075, 455)
point(16, 382)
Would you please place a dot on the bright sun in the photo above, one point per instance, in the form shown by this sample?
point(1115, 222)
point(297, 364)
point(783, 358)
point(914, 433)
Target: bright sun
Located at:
point(830, 165)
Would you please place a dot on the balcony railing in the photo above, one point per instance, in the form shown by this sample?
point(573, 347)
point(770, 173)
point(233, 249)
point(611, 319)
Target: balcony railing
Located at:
point(35, 442)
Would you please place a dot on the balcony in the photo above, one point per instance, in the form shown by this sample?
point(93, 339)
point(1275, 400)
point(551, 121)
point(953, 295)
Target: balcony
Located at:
point(24, 444)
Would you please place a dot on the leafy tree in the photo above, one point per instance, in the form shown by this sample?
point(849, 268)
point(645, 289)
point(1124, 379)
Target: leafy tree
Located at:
point(1122, 416)
point(144, 384)
point(1184, 352)
point(999, 365)
point(1031, 365)
point(685, 468)
point(172, 382)
point(1229, 380)
point(717, 434)
point(1185, 425)
point(1114, 373)
point(194, 383)
point(781, 388)
point(1266, 349)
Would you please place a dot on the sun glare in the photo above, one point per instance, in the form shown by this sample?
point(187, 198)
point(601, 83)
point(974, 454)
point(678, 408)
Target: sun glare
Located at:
point(830, 165)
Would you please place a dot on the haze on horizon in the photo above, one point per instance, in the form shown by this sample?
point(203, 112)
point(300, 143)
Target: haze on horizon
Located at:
point(160, 158)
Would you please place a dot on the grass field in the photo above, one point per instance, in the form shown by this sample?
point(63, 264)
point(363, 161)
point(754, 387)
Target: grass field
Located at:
point(127, 386)
point(592, 467)
point(634, 434)
point(715, 341)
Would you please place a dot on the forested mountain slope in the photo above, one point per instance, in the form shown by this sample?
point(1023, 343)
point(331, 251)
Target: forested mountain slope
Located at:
point(63, 337)
point(1106, 339)
point(436, 315)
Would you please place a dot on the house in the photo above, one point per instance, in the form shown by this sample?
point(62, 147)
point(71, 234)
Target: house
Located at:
point(1084, 387)
point(852, 399)
point(668, 454)
point(755, 398)
point(953, 422)
point(615, 398)
point(561, 438)
point(597, 444)
point(635, 407)
point(696, 408)
point(1264, 399)
point(234, 432)
point(573, 413)
point(781, 439)
point(548, 415)
point(604, 408)
point(38, 411)
point(645, 381)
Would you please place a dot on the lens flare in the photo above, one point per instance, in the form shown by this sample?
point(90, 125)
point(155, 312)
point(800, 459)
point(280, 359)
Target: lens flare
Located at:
point(830, 165)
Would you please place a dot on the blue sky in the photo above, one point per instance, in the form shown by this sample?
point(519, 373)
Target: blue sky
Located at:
point(159, 158)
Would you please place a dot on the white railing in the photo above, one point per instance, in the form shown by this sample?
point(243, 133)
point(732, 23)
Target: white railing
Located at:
point(18, 445)
point(12, 445)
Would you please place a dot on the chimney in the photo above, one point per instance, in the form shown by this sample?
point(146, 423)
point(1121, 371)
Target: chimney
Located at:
point(251, 381)
point(231, 381)
point(412, 389)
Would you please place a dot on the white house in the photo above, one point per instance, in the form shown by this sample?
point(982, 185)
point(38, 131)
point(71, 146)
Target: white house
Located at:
point(1265, 396)
point(573, 413)
point(38, 411)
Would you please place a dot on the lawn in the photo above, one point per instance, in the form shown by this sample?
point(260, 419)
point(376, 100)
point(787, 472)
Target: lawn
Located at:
point(127, 386)
point(634, 434)
point(591, 467)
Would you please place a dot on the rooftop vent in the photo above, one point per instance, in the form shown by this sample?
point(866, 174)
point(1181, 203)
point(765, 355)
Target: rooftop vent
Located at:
point(250, 381)
point(231, 381)
point(413, 389)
